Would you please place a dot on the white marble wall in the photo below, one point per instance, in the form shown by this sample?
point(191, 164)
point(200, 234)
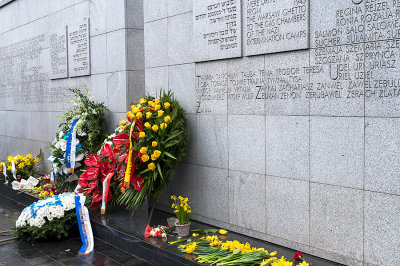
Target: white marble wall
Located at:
point(117, 65)
point(316, 175)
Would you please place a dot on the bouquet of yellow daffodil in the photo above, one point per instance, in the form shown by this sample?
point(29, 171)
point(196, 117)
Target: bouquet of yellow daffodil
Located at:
point(181, 209)
point(20, 166)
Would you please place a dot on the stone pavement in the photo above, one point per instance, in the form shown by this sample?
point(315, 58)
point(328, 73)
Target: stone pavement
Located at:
point(17, 252)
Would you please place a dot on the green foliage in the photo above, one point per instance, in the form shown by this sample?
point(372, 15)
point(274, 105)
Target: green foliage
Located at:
point(53, 230)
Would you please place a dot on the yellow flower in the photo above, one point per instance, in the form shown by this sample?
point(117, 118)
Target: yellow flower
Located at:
point(134, 109)
point(185, 208)
point(155, 128)
point(18, 157)
point(142, 135)
point(142, 101)
point(36, 160)
point(9, 168)
point(122, 122)
point(157, 107)
point(167, 119)
point(176, 211)
point(167, 105)
point(160, 113)
point(173, 197)
point(145, 157)
point(130, 114)
point(21, 165)
point(10, 159)
point(189, 211)
point(51, 194)
point(143, 150)
point(163, 126)
point(173, 205)
point(123, 128)
point(29, 156)
point(303, 263)
point(139, 106)
point(139, 115)
point(195, 235)
point(153, 157)
point(222, 232)
point(273, 254)
point(157, 153)
point(154, 144)
point(147, 125)
point(148, 115)
point(157, 101)
point(151, 103)
point(151, 166)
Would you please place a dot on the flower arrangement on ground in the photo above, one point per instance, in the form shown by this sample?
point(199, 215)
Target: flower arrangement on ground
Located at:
point(160, 231)
point(81, 134)
point(19, 167)
point(212, 250)
point(48, 218)
point(137, 161)
point(183, 213)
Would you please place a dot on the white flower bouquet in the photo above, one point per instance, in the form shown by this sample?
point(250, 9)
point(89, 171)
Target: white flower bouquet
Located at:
point(49, 218)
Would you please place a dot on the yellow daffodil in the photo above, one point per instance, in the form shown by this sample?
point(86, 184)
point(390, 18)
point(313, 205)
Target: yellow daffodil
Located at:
point(273, 254)
point(139, 115)
point(147, 125)
point(122, 122)
point(195, 235)
point(163, 126)
point(145, 157)
point(222, 232)
point(160, 113)
point(29, 156)
point(151, 166)
point(143, 150)
point(167, 119)
point(36, 160)
point(173, 197)
point(155, 128)
point(142, 101)
point(154, 144)
point(9, 168)
point(10, 159)
point(167, 105)
point(21, 165)
point(142, 135)
point(148, 115)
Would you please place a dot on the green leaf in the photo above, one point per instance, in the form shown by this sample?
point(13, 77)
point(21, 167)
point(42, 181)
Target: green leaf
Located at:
point(172, 143)
point(159, 170)
point(173, 135)
point(144, 171)
point(169, 155)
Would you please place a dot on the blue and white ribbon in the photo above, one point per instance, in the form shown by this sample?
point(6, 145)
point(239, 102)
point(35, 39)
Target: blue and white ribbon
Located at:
point(71, 148)
point(85, 228)
point(52, 177)
point(13, 170)
point(5, 173)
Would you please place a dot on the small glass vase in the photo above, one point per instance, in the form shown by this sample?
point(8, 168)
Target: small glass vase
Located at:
point(183, 230)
